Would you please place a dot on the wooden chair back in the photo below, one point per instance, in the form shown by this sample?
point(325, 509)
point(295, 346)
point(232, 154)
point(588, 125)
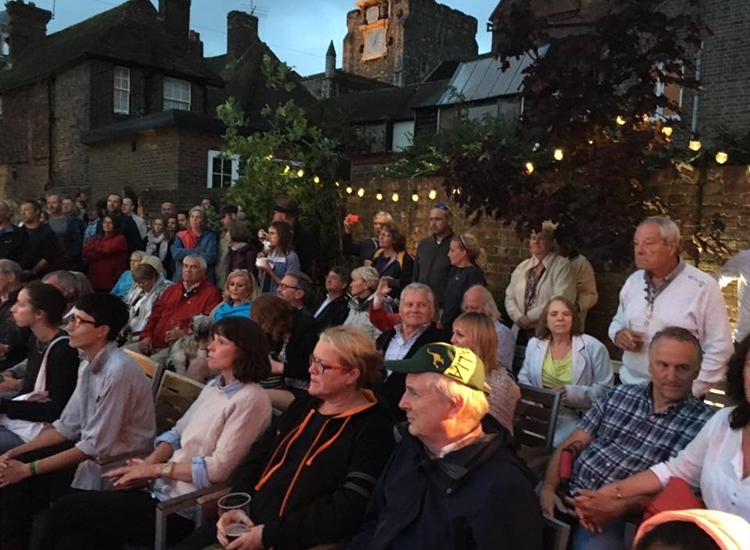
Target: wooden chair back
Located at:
point(717, 398)
point(153, 370)
point(535, 417)
point(555, 534)
point(176, 394)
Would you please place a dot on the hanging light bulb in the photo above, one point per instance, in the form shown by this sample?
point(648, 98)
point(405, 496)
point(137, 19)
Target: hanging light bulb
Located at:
point(620, 121)
point(361, 192)
point(300, 173)
point(722, 157)
point(349, 190)
point(667, 131)
point(379, 196)
point(529, 167)
point(316, 179)
point(432, 194)
point(269, 157)
point(415, 197)
point(591, 142)
point(694, 144)
point(337, 184)
point(394, 197)
point(558, 154)
point(286, 169)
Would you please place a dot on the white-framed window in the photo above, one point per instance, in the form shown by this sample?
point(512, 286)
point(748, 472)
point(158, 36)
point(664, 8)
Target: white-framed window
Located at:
point(223, 170)
point(403, 133)
point(176, 94)
point(122, 91)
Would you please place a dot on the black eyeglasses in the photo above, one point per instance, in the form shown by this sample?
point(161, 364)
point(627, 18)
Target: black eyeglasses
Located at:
point(284, 286)
point(77, 321)
point(322, 367)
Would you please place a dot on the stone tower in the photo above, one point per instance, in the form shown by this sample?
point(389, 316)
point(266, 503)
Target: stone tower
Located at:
point(400, 41)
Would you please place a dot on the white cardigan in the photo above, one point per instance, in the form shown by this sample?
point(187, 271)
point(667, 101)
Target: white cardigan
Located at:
point(592, 369)
point(556, 281)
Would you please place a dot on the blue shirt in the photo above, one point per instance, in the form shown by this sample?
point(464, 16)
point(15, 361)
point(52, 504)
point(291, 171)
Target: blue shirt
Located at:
point(629, 437)
point(123, 285)
point(226, 309)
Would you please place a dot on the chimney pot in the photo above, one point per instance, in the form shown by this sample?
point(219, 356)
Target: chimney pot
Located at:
point(27, 25)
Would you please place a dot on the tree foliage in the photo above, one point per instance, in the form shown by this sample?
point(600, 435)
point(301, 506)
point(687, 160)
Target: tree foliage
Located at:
point(591, 94)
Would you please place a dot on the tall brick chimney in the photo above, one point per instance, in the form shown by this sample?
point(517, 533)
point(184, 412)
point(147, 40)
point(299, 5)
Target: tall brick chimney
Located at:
point(176, 17)
point(27, 25)
point(242, 31)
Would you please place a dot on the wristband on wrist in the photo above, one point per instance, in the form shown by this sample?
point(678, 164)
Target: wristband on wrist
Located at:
point(34, 467)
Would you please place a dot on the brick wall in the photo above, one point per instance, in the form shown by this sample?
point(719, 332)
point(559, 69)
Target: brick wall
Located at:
point(726, 192)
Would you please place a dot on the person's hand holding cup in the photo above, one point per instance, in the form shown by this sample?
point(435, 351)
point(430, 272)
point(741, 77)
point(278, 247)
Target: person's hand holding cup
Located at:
point(638, 328)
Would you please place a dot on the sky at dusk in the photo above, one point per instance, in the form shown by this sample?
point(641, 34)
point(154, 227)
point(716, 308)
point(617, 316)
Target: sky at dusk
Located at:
point(298, 31)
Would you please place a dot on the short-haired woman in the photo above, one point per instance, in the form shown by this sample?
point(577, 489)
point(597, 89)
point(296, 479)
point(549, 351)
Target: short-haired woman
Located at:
point(363, 285)
point(203, 448)
point(561, 358)
point(467, 263)
point(52, 367)
point(281, 258)
point(150, 286)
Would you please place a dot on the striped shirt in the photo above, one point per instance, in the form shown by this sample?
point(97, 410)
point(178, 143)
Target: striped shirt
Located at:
point(629, 437)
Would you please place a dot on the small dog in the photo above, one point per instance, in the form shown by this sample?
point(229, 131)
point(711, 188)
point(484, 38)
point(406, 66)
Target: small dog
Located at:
point(191, 346)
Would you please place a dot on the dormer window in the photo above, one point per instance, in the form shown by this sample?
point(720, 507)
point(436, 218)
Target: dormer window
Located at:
point(176, 94)
point(122, 91)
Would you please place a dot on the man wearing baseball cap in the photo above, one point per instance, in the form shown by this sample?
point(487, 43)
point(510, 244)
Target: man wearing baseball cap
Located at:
point(450, 483)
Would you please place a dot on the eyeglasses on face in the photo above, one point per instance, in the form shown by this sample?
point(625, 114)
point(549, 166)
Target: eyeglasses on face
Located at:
point(77, 321)
point(322, 367)
point(284, 286)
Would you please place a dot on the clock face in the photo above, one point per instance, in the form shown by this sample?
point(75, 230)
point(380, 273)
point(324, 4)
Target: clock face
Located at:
point(374, 42)
point(372, 14)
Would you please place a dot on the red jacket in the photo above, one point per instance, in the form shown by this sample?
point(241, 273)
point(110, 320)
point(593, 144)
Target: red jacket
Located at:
point(108, 258)
point(175, 309)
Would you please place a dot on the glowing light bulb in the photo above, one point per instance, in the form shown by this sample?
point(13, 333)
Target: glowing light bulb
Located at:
point(529, 167)
point(619, 120)
point(591, 142)
point(558, 154)
point(286, 169)
point(349, 190)
point(394, 197)
point(694, 145)
point(316, 179)
point(379, 196)
point(432, 194)
point(667, 131)
point(300, 173)
point(415, 197)
point(722, 157)
point(361, 192)
point(337, 184)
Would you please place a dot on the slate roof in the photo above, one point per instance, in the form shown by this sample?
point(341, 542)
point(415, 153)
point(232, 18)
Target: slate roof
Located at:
point(129, 34)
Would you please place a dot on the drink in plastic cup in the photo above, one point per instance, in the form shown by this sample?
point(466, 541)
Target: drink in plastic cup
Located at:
point(261, 262)
point(638, 327)
point(235, 501)
point(236, 530)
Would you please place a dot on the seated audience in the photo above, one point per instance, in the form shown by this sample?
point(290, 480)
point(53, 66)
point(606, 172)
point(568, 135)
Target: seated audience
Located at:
point(416, 328)
point(467, 260)
point(478, 299)
point(279, 259)
point(125, 282)
point(111, 412)
point(52, 367)
point(150, 286)
point(709, 462)
point(13, 338)
point(391, 259)
point(203, 448)
point(172, 312)
point(311, 482)
point(296, 288)
point(693, 530)
point(196, 240)
point(476, 332)
point(448, 483)
point(363, 285)
point(107, 255)
point(334, 308)
point(633, 428)
point(560, 358)
point(240, 291)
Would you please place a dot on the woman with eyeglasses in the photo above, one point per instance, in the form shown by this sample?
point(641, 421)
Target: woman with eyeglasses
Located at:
point(203, 448)
point(274, 264)
point(148, 286)
point(319, 467)
point(467, 259)
point(52, 367)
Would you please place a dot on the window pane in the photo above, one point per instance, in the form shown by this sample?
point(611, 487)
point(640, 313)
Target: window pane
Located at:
point(216, 179)
point(217, 165)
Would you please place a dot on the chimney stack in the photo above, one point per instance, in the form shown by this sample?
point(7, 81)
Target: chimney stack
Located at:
point(242, 32)
point(175, 15)
point(195, 44)
point(27, 25)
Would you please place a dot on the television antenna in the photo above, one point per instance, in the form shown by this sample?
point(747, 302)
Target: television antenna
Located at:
point(256, 10)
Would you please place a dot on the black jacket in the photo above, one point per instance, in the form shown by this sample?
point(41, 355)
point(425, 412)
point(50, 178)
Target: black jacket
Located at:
point(306, 247)
point(364, 249)
point(432, 266)
point(11, 334)
point(479, 497)
point(334, 314)
point(392, 388)
point(14, 245)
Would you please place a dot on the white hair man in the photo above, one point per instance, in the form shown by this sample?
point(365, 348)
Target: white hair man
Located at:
point(444, 484)
point(478, 299)
point(665, 291)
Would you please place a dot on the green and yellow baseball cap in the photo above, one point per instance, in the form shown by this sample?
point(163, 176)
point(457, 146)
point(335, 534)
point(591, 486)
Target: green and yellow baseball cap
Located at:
point(460, 364)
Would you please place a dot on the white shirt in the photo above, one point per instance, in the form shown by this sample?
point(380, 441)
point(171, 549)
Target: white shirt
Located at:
point(738, 269)
point(713, 462)
point(692, 300)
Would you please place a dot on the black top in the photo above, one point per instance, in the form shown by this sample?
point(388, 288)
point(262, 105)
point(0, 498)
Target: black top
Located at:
point(14, 246)
point(11, 334)
point(43, 244)
point(460, 280)
point(305, 246)
point(334, 314)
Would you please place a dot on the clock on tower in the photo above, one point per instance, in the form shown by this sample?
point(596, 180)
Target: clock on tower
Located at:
point(374, 40)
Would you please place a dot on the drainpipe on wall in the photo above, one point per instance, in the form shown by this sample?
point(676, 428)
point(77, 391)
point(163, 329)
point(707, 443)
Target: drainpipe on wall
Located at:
point(703, 173)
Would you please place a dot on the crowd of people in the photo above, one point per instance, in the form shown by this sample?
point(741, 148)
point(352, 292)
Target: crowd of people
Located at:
point(378, 415)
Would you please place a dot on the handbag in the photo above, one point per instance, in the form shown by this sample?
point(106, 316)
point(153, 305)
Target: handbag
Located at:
point(676, 495)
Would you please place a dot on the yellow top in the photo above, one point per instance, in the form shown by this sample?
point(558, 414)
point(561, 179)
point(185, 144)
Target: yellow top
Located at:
point(557, 373)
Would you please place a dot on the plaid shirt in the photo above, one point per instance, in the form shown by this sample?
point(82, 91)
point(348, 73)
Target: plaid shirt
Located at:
point(629, 437)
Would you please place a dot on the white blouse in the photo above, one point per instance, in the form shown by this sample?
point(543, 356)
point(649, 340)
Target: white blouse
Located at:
point(713, 462)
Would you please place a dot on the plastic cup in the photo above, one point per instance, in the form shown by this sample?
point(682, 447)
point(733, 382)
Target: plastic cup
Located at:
point(261, 262)
point(235, 501)
point(638, 327)
point(235, 530)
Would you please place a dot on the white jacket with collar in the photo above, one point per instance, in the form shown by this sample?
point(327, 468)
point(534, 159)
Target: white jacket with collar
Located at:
point(592, 369)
